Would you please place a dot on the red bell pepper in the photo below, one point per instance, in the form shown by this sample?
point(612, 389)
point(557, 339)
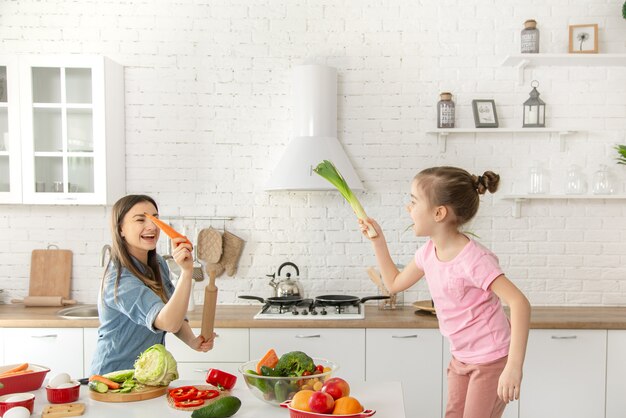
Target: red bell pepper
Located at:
point(189, 403)
point(183, 393)
point(221, 379)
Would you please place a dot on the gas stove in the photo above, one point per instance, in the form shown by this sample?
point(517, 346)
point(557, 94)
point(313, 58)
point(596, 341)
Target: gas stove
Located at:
point(309, 311)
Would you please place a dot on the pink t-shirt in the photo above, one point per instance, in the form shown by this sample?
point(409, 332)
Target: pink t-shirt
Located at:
point(469, 314)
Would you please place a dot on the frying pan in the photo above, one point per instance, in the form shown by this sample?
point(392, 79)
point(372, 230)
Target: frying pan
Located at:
point(344, 300)
point(276, 300)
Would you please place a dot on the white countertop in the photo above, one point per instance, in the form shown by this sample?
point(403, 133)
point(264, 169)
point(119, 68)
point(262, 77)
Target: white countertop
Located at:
point(385, 398)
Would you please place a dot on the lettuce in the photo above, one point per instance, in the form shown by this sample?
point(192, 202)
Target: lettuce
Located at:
point(156, 367)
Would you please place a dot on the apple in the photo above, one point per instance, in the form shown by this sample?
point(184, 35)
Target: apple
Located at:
point(321, 403)
point(336, 387)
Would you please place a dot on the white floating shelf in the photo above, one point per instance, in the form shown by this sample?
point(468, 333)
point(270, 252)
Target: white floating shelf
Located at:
point(518, 199)
point(521, 61)
point(442, 134)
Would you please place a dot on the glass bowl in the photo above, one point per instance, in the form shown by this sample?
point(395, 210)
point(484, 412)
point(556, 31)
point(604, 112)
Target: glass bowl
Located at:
point(275, 390)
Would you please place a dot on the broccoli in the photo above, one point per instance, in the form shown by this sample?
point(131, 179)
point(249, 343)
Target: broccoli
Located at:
point(294, 363)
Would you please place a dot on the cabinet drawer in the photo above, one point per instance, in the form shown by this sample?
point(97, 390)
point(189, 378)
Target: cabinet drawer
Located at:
point(231, 345)
point(615, 372)
point(60, 349)
point(346, 347)
point(417, 364)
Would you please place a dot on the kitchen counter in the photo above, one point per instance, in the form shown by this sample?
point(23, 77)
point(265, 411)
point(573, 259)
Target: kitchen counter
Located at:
point(385, 398)
point(241, 316)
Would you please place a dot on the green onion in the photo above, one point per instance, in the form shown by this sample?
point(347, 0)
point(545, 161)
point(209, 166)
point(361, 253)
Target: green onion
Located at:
point(328, 170)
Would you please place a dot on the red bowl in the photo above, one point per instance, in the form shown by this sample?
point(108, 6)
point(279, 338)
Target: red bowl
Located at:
point(296, 413)
point(64, 395)
point(27, 403)
point(23, 382)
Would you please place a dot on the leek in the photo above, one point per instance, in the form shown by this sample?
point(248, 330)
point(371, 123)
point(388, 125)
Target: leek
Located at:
point(328, 170)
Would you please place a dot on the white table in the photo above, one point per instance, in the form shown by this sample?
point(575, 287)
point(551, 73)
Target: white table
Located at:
point(385, 398)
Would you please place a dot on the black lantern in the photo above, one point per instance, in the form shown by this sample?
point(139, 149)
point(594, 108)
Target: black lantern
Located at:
point(534, 109)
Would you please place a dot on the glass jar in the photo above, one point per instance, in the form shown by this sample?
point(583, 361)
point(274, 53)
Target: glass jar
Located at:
point(445, 111)
point(602, 183)
point(575, 182)
point(538, 177)
point(530, 38)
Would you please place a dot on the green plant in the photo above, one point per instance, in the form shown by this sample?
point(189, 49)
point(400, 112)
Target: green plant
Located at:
point(624, 10)
point(621, 149)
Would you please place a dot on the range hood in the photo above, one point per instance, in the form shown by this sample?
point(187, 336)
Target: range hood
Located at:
point(314, 134)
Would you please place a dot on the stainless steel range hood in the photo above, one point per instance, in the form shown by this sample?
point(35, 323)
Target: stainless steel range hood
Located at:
point(314, 134)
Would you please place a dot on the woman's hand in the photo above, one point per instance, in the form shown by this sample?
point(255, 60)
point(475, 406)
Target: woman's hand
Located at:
point(199, 343)
point(181, 252)
point(509, 383)
point(369, 222)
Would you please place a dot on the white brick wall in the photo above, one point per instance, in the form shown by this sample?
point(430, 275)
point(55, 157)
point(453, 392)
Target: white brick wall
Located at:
point(208, 110)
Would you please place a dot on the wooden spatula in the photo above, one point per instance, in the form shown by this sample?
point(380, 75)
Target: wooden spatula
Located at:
point(210, 304)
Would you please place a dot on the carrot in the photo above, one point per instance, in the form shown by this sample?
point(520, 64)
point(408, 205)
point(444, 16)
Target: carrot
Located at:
point(11, 374)
point(17, 368)
point(168, 230)
point(111, 384)
point(270, 359)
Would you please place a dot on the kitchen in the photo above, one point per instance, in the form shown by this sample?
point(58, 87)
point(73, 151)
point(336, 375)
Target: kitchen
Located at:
point(208, 111)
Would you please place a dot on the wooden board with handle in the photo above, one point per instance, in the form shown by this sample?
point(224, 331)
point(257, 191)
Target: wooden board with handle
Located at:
point(44, 301)
point(210, 305)
point(141, 394)
point(50, 273)
point(64, 410)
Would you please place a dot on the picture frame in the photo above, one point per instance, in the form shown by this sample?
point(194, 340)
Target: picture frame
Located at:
point(583, 39)
point(485, 115)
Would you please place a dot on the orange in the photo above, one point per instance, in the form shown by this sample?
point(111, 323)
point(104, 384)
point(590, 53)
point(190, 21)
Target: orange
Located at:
point(347, 405)
point(300, 400)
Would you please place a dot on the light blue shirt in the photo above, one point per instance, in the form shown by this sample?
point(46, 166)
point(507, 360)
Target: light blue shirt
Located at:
point(127, 321)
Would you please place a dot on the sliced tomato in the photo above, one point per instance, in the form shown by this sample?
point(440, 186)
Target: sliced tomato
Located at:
point(188, 403)
point(183, 393)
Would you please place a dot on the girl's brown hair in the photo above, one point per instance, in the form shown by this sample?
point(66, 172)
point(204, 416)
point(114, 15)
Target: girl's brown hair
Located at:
point(120, 256)
point(457, 189)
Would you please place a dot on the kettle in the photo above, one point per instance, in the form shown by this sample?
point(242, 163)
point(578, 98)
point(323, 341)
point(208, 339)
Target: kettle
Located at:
point(287, 286)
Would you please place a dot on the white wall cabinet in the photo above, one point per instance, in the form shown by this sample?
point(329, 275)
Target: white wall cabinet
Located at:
point(63, 118)
point(231, 349)
point(615, 372)
point(412, 356)
point(60, 349)
point(564, 374)
point(345, 346)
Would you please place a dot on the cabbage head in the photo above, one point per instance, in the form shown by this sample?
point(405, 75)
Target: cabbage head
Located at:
point(156, 367)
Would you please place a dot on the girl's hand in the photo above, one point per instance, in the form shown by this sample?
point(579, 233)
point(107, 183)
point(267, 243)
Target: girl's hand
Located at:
point(509, 384)
point(200, 344)
point(181, 251)
point(363, 224)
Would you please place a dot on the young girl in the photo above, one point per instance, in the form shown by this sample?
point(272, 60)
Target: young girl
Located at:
point(138, 303)
point(466, 285)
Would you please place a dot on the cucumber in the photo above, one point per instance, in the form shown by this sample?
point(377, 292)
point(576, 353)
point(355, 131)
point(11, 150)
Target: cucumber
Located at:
point(98, 387)
point(120, 376)
point(222, 408)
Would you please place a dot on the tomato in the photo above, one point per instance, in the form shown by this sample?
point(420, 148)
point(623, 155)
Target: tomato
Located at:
point(189, 403)
point(306, 373)
point(319, 368)
point(183, 393)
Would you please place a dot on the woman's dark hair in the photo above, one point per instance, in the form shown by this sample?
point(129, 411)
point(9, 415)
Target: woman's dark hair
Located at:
point(457, 189)
point(121, 257)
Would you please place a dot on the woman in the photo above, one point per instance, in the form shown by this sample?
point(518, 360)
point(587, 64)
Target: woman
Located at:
point(138, 303)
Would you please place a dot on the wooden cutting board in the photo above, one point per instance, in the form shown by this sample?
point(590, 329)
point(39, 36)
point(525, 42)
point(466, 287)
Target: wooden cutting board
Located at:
point(146, 392)
point(65, 410)
point(50, 273)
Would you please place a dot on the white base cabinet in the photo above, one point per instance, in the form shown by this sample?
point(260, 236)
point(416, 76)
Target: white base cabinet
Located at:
point(60, 349)
point(230, 350)
point(564, 374)
point(615, 372)
point(90, 338)
point(345, 346)
point(412, 356)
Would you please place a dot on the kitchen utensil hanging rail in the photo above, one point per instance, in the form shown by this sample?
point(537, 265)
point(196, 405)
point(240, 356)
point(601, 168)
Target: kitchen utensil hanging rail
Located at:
point(198, 218)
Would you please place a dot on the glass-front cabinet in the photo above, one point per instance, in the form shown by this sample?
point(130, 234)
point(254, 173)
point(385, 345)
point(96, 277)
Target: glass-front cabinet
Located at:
point(10, 164)
point(71, 129)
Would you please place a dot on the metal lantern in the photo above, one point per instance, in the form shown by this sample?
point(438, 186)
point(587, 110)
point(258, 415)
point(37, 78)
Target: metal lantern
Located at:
point(534, 109)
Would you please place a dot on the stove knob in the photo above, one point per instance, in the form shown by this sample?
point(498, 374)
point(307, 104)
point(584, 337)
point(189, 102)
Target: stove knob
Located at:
point(294, 312)
point(305, 312)
point(313, 312)
point(323, 312)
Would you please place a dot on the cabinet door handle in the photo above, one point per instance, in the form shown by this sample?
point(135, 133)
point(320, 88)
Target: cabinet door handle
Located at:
point(404, 336)
point(564, 337)
point(309, 336)
point(201, 371)
point(44, 336)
